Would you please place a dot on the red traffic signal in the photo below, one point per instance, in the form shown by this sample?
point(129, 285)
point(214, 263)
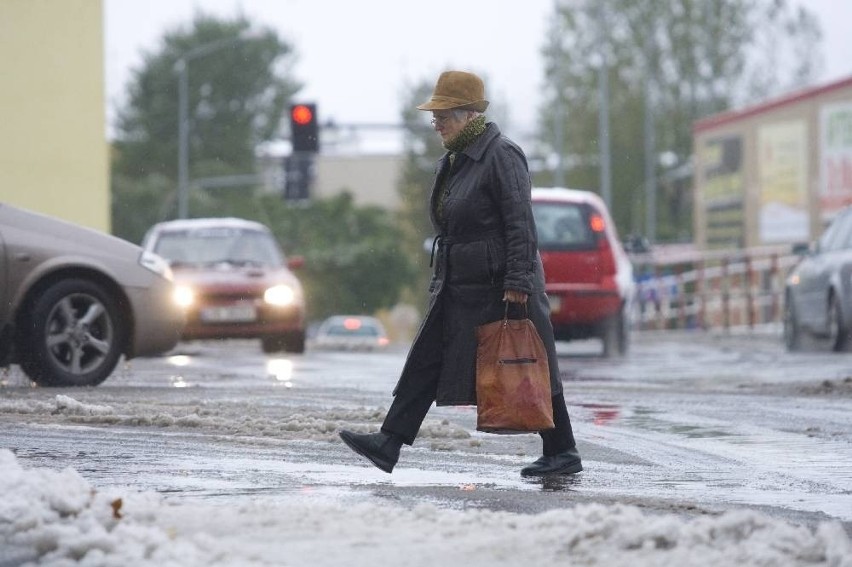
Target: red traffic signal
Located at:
point(301, 114)
point(304, 128)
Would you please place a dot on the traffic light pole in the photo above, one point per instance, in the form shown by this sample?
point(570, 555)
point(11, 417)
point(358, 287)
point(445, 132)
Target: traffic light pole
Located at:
point(299, 176)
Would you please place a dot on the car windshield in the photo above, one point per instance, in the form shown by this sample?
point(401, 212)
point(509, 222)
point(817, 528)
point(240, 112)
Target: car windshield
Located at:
point(562, 226)
point(218, 245)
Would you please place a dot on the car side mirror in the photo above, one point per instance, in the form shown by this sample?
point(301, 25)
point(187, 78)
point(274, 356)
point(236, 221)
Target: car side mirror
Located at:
point(295, 262)
point(428, 243)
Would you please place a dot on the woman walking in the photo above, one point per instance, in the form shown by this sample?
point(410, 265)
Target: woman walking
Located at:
point(486, 254)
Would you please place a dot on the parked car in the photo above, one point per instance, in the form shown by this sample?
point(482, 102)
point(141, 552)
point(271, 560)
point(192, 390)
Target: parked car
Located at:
point(588, 275)
point(818, 290)
point(351, 332)
point(233, 281)
point(74, 300)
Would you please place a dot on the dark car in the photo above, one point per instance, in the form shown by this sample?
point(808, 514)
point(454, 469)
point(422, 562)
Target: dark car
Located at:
point(588, 276)
point(233, 281)
point(351, 332)
point(74, 300)
point(818, 290)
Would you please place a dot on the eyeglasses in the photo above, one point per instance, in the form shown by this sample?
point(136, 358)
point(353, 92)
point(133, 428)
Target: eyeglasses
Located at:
point(440, 120)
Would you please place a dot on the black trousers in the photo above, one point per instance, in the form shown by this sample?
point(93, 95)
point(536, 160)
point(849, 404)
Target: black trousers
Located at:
point(413, 400)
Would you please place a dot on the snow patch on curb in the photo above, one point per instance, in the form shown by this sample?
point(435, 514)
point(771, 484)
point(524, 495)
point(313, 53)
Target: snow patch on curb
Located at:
point(56, 518)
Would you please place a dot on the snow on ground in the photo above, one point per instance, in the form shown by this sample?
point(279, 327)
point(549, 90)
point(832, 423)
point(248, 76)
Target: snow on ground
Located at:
point(56, 518)
point(228, 417)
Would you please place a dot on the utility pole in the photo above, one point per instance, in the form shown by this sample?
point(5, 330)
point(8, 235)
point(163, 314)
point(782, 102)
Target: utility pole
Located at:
point(182, 69)
point(559, 130)
point(650, 145)
point(603, 101)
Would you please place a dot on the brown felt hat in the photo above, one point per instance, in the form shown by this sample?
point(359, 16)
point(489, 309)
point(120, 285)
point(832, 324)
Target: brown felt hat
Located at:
point(457, 90)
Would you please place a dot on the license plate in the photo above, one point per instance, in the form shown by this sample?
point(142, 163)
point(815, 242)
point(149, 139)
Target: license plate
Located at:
point(229, 314)
point(555, 303)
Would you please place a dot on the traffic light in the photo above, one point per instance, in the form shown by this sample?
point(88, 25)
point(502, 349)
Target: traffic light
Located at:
point(304, 127)
point(299, 176)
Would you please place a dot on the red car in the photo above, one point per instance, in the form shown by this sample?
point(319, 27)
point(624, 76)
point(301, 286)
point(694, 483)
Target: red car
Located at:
point(588, 276)
point(233, 281)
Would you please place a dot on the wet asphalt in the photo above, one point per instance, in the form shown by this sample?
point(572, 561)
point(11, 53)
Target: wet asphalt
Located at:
point(688, 423)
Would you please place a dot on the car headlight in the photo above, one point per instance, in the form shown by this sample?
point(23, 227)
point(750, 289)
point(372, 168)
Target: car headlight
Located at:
point(156, 264)
point(279, 295)
point(184, 295)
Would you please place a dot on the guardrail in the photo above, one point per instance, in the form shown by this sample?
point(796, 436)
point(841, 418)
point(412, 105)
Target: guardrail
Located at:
point(691, 289)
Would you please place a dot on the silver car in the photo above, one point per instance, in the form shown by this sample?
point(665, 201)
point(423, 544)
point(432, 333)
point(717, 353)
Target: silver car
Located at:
point(818, 291)
point(351, 332)
point(74, 300)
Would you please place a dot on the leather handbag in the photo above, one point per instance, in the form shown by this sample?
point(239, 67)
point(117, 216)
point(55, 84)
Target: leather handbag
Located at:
point(512, 378)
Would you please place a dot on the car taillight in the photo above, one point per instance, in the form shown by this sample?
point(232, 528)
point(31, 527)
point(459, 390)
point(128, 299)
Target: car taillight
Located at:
point(597, 224)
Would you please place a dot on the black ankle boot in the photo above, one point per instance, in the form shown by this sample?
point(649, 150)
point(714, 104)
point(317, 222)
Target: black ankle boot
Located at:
point(382, 449)
point(567, 462)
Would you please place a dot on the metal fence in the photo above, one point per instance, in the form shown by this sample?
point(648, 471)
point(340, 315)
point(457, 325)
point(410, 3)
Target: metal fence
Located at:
point(711, 289)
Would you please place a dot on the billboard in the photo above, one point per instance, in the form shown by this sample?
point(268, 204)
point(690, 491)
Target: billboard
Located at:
point(783, 174)
point(724, 191)
point(835, 184)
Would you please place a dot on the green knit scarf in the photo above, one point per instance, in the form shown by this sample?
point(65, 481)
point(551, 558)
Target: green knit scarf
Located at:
point(468, 134)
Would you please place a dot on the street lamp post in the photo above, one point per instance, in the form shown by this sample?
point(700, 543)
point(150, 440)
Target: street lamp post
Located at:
point(603, 114)
point(559, 134)
point(602, 67)
point(183, 139)
point(182, 70)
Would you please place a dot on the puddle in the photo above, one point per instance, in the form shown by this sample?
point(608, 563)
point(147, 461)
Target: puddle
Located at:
point(603, 414)
point(555, 483)
point(712, 460)
point(665, 454)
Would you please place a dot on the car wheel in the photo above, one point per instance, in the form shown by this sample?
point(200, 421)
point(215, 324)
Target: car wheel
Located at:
point(792, 330)
point(74, 335)
point(273, 344)
point(295, 342)
point(616, 337)
point(838, 331)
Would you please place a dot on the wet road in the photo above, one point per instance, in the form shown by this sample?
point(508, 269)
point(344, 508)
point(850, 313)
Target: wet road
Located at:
point(688, 422)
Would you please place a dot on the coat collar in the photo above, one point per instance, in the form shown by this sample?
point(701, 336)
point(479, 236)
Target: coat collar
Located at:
point(476, 149)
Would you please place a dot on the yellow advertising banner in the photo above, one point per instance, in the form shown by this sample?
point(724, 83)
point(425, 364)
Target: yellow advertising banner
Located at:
point(835, 189)
point(724, 192)
point(783, 172)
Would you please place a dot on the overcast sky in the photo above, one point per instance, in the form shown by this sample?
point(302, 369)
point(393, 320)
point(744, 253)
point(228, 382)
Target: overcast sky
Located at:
point(355, 58)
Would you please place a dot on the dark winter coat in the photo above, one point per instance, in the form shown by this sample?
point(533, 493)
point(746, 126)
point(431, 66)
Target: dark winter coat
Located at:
point(486, 244)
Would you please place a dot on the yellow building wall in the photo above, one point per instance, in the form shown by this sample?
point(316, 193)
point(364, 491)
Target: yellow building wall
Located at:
point(53, 148)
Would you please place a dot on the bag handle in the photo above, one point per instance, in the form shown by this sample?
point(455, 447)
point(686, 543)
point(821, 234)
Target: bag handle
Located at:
point(506, 312)
point(505, 327)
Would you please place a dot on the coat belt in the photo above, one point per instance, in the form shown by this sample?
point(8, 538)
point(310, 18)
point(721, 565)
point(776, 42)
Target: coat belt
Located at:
point(448, 240)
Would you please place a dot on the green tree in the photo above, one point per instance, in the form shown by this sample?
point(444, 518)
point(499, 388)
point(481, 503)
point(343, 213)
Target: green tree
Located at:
point(237, 95)
point(139, 203)
point(692, 57)
point(354, 261)
point(422, 149)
